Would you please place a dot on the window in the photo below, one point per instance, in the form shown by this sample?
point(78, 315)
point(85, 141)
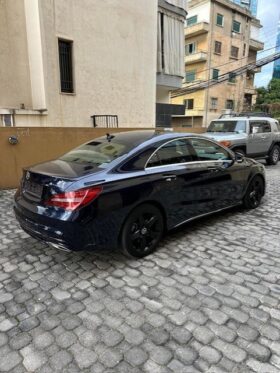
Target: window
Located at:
point(234, 52)
point(209, 151)
point(189, 103)
point(244, 49)
point(65, 64)
point(190, 48)
point(190, 76)
point(220, 20)
point(260, 127)
point(191, 20)
point(7, 120)
point(230, 104)
point(232, 78)
point(218, 47)
point(214, 103)
point(215, 74)
point(177, 151)
point(236, 26)
point(234, 126)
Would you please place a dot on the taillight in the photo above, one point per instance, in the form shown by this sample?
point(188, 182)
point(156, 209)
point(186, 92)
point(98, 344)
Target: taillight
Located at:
point(73, 200)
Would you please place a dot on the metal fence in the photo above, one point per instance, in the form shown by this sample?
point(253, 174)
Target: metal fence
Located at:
point(105, 121)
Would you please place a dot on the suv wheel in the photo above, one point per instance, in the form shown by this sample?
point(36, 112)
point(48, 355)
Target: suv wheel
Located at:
point(273, 156)
point(142, 231)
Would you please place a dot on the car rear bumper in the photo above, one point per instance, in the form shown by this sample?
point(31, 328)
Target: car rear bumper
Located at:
point(68, 236)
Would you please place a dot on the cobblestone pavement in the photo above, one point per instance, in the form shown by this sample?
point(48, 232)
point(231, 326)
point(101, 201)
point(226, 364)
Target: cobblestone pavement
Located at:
point(207, 301)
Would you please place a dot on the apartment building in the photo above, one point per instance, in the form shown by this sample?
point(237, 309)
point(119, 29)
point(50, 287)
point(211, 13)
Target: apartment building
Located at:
point(220, 37)
point(276, 66)
point(75, 63)
point(252, 5)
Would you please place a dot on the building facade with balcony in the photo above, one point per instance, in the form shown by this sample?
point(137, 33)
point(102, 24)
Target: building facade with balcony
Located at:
point(220, 37)
point(64, 61)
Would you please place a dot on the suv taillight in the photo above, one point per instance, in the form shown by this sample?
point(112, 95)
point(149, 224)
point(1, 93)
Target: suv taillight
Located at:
point(73, 200)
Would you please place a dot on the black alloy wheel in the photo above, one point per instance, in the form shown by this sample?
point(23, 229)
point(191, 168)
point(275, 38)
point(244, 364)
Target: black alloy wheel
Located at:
point(273, 156)
point(142, 231)
point(254, 193)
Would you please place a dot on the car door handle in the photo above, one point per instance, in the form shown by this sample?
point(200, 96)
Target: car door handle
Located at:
point(169, 177)
point(264, 137)
point(214, 169)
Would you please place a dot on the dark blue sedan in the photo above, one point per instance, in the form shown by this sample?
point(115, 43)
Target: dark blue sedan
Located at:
point(127, 189)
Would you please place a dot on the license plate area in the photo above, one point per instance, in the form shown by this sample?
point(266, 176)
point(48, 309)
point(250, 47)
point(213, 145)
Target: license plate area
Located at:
point(32, 189)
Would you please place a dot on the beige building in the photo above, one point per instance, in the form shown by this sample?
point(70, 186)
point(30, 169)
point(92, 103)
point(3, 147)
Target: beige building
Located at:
point(64, 61)
point(220, 37)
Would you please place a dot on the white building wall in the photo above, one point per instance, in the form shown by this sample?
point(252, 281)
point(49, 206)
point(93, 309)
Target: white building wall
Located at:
point(201, 11)
point(114, 47)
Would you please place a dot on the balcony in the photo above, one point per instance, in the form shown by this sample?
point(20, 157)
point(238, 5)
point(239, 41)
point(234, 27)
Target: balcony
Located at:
point(256, 45)
point(196, 57)
point(197, 29)
point(250, 91)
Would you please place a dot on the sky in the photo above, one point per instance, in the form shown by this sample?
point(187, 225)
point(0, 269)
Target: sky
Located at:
point(268, 13)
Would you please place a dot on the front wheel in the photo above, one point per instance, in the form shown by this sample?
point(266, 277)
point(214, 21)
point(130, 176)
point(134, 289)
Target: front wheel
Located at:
point(273, 156)
point(142, 231)
point(254, 193)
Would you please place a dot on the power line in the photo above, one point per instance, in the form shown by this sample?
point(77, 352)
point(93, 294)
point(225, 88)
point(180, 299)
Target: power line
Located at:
point(227, 63)
point(235, 61)
point(239, 71)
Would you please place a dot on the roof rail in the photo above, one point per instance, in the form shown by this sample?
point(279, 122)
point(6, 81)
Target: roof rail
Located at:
point(256, 114)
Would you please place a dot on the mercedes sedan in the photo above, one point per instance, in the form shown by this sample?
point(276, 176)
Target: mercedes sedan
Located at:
point(127, 189)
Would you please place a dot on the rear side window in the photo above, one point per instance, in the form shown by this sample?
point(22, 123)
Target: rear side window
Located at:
point(173, 152)
point(259, 127)
point(208, 151)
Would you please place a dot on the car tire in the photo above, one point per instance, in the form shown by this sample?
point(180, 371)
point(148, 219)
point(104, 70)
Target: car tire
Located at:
point(240, 151)
point(273, 156)
point(142, 231)
point(254, 193)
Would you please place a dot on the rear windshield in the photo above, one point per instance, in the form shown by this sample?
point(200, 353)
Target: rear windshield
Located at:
point(235, 126)
point(97, 153)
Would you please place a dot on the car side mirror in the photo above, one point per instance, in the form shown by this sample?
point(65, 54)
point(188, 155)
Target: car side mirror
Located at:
point(239, 158)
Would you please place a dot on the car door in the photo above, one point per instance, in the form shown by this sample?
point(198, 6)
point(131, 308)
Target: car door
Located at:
point(260, 138)
point(171, 170)
point(222, 180)
point(188, 185)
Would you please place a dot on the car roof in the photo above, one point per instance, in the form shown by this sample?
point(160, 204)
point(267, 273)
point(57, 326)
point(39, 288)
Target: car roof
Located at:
point(138, 137)
point(244, 118)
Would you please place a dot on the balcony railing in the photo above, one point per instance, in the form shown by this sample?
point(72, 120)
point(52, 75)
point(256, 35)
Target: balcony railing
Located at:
point(256, 45)
point(197, 29)
point(196, 57)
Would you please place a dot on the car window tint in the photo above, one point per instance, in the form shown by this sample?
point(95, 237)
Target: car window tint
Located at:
point(138, 162)
point(208, 151)
point(176, 151)
point(260, 127)
point(266, 127)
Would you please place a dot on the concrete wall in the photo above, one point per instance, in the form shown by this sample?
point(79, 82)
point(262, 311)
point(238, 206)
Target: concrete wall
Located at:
point(41, 144)
point(202, 12)
point(114, 47)
point(15, 88)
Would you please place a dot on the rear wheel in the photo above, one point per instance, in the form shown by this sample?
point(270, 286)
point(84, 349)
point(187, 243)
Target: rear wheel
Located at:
point(142, 231)
point(254, 193)
point(273, 156)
